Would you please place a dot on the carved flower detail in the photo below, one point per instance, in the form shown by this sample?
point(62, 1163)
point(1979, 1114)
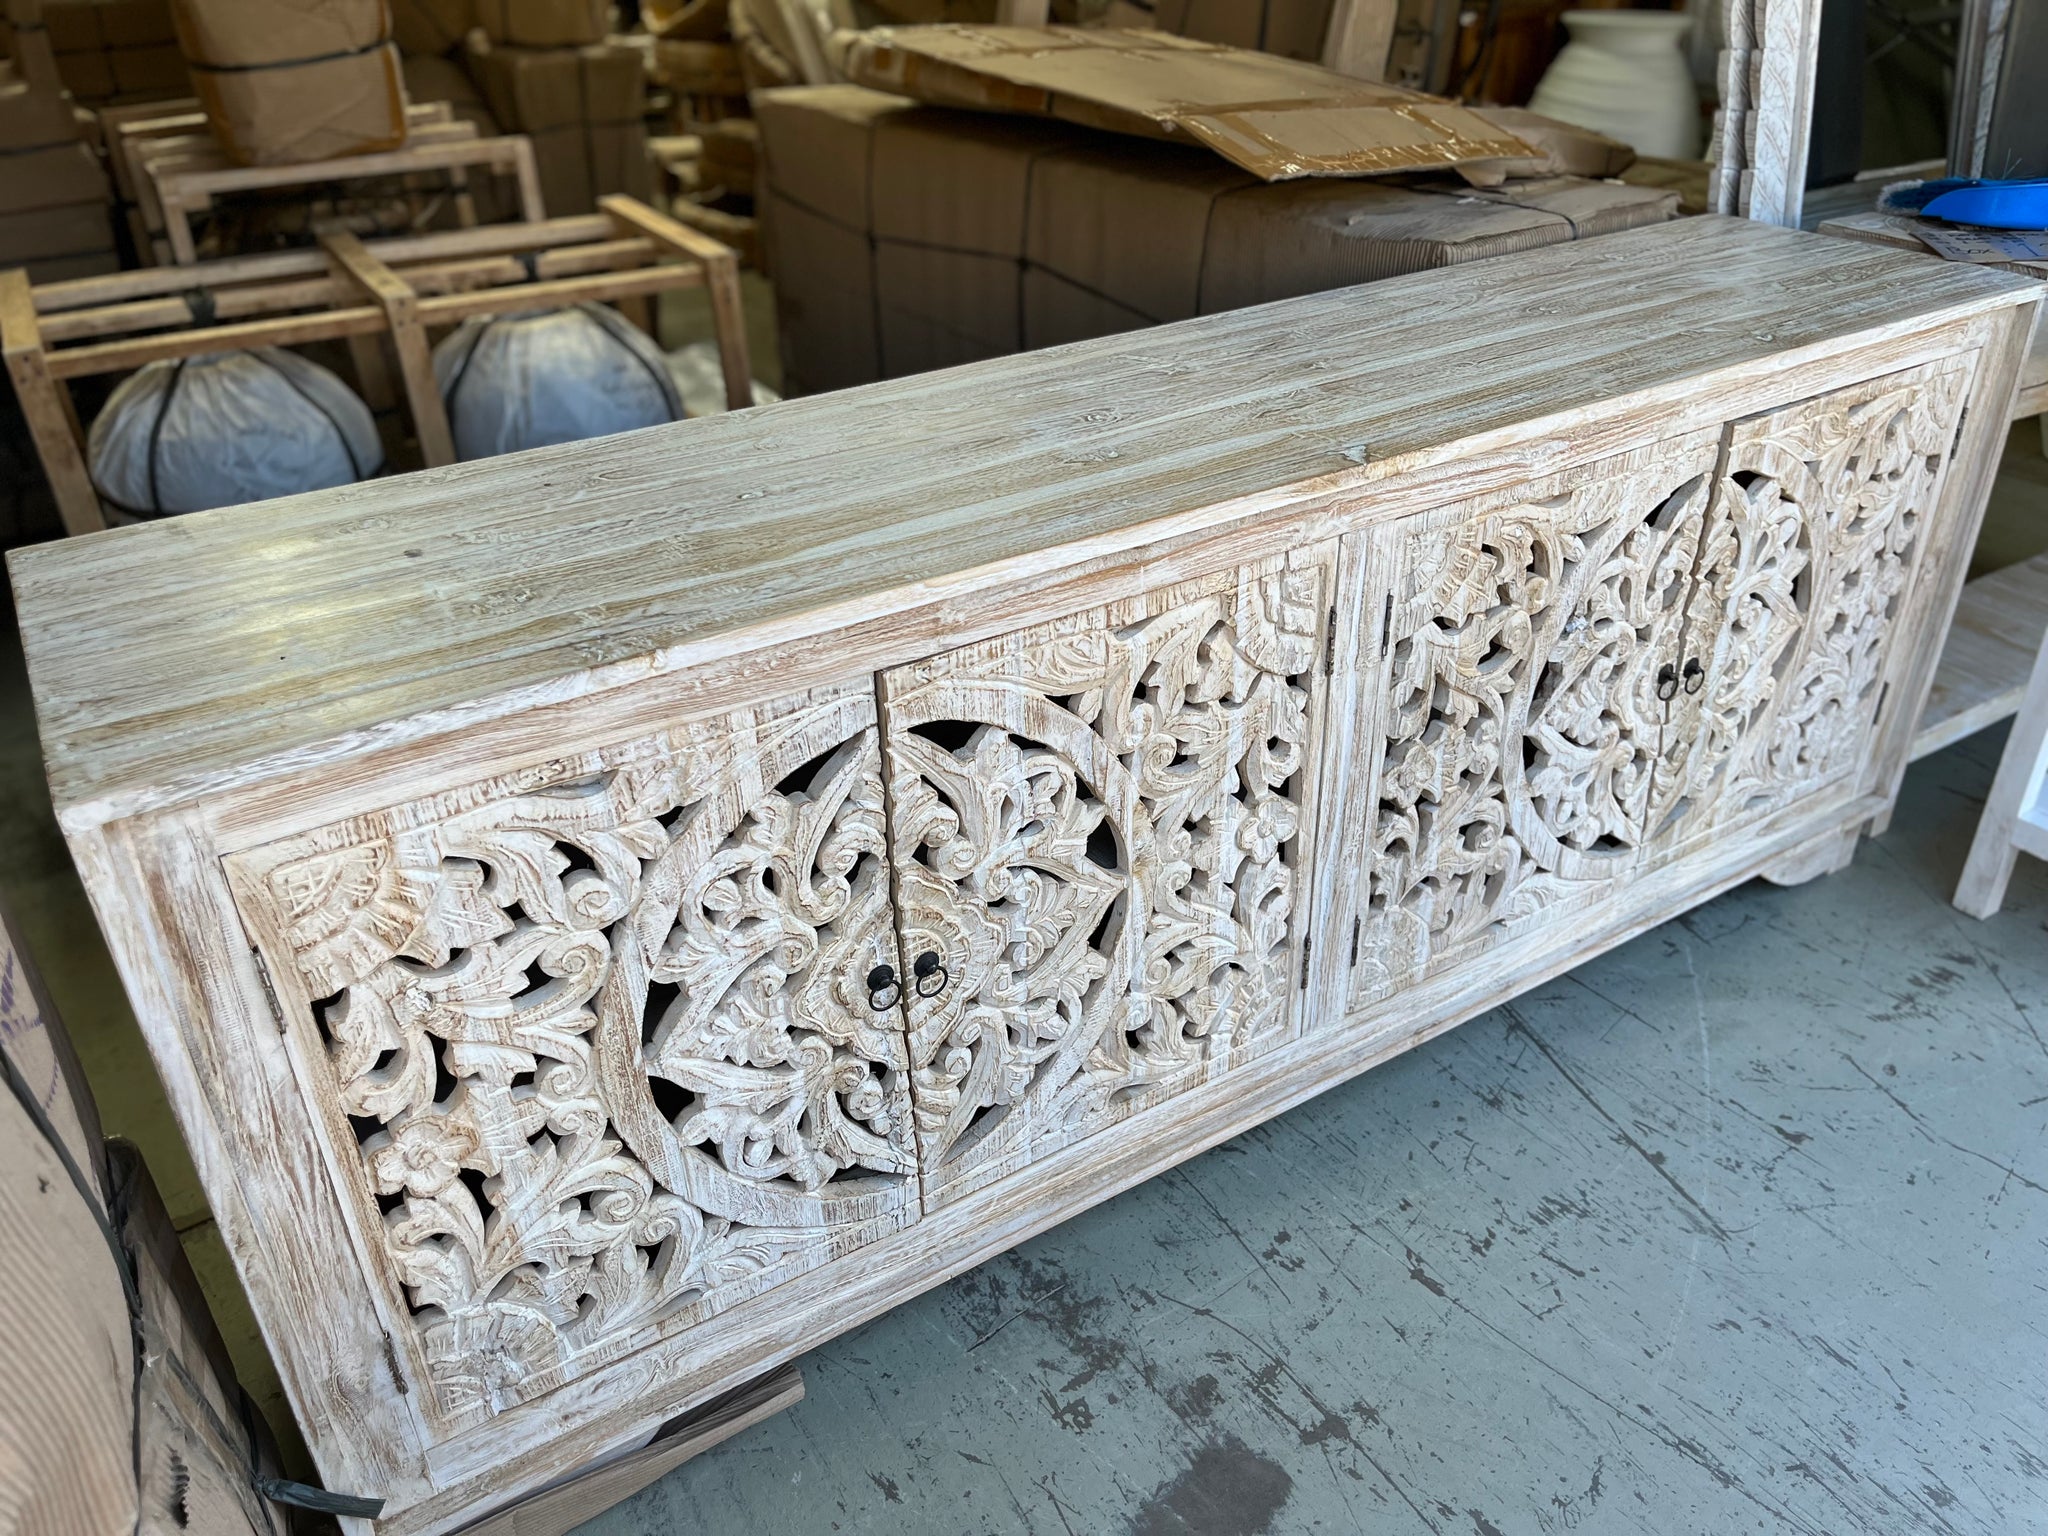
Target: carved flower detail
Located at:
point(422, 1156)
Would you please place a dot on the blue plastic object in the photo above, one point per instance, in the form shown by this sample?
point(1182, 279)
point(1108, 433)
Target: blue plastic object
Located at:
point(1993, 204)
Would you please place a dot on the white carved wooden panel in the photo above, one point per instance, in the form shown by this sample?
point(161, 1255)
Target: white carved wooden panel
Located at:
point(593, 1043)
point(1099, 834)
point(1518, 655)
point(1816, 529)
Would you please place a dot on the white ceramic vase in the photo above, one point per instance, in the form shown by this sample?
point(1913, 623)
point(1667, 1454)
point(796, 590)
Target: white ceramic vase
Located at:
point(1624, 74)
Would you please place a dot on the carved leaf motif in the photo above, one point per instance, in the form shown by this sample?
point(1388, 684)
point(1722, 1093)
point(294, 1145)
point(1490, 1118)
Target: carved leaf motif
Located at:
point(603, 1036)
point(1095, 827)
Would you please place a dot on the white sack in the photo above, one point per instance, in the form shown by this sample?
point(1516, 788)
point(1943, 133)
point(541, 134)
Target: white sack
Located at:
point(223, 428)
point(550, 376)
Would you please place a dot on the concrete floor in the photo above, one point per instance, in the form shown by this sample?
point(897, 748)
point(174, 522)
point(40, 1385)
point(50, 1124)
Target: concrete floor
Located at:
point(1739, 1228)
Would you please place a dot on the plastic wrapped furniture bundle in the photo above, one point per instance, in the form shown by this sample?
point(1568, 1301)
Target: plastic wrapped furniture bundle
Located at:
point(223, 428)
point(550, 376)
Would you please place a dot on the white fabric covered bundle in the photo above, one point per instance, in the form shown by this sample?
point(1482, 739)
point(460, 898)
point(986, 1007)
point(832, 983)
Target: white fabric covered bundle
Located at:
point(223, 428)
point(550, 376)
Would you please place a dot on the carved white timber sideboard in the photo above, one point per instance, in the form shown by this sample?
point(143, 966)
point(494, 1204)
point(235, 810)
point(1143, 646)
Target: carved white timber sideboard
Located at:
point(610, 918)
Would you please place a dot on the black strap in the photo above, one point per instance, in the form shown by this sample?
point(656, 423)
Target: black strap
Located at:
point(200, 304)
point(462, 369)
point(156, 432)
point(318, 58)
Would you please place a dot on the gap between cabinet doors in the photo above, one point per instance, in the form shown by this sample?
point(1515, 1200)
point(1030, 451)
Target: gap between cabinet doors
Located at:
point(1567, 683)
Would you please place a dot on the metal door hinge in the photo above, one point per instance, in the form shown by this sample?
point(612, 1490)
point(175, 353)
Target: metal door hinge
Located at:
point(1387, 624)
point(1962, 420)
point(1877, 716)
point(1357, 928)
point(1305, 942)
point(391, 1360)
point(269, 990)
point(1330, 644)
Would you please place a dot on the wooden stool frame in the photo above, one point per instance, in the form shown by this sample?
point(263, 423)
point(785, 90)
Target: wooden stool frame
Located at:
point(348, 290)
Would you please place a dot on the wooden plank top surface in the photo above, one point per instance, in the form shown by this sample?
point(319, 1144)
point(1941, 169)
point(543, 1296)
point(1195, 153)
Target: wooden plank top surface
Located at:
point(166, 656)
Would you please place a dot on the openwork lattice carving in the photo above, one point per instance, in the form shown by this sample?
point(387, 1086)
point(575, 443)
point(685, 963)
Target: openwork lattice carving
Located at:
point(600, 1038)
point(1810, 550)
point(1097, 828)
point(1520, 726)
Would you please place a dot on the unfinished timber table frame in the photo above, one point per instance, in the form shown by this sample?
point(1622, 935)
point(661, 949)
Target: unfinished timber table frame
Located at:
point(613, 917)
point(372, 294)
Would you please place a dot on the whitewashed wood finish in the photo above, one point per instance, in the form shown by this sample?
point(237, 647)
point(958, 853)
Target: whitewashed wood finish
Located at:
point(491, 989)
point(554, 644)
point(1988, 655)
point(1511, 727)
point(1099, 839)
point(1765, 118)
point(1980, 64)
point(1820, 521)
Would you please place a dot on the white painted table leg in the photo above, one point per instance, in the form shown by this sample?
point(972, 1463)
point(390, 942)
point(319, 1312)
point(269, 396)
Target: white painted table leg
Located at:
point(2016, 795)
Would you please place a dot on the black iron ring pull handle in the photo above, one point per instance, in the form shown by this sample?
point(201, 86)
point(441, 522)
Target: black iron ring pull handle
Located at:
point(1667, 681)
point(882, 989)
point(1695, 675)
point(931, 975)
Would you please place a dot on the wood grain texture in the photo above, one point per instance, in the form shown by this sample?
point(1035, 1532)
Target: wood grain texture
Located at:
point(635, 558)
point(906, 862)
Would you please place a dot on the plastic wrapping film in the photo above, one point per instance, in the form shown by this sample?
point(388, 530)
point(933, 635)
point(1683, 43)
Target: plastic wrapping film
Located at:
point(225, 428)
point(550, 376)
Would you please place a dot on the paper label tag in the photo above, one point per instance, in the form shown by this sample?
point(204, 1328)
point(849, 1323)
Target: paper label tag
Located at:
point(1985, 247)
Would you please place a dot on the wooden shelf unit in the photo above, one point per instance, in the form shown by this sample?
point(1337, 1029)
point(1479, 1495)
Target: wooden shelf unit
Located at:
point(372, 295)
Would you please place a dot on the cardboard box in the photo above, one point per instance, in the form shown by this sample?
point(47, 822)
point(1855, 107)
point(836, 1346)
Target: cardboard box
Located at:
point(42, 234)
point(290, 114)
point(158, 69)
point(581, 162)
point(49, 177)
point(30, 118)
point(824, 298)
point(287, 85)
point(1292, 28)
point(1277, 118)
point(531, 90)
point(431, 26)
point(1057, 311)
point(544, 23)
point(935, 307)
point(815, 143)
point(249, 34)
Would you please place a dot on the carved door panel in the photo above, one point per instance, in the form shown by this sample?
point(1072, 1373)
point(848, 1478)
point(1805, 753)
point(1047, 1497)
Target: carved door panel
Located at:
point(1812, 541)
point(593, 1043)
point(1098, 832)
point(1517, 658)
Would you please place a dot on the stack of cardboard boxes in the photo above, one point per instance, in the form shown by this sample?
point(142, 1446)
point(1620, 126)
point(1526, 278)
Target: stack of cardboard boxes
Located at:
point(547, 69)
point(55, 208)
point(904, 237)
point(114, 51)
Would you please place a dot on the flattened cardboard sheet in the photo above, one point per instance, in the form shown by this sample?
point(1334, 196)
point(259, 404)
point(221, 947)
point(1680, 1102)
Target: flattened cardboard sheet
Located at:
point(1277, 118)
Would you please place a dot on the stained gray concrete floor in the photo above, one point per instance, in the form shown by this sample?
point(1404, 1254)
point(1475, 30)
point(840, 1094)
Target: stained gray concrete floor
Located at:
point(1739, 1228)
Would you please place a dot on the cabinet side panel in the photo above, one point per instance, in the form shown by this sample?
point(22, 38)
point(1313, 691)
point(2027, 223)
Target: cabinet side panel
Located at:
point(157, 890)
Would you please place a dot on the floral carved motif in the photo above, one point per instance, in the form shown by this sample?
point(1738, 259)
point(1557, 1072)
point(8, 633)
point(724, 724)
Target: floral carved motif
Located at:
point(600, 1038)
point(1097, 831)
point(1521, 723)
